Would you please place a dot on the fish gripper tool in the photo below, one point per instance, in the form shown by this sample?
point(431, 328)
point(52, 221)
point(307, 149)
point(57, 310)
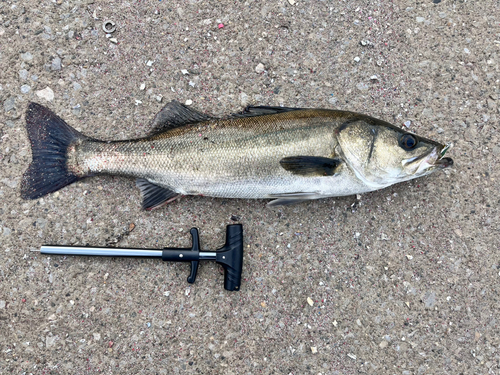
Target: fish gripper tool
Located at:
point(229, 256)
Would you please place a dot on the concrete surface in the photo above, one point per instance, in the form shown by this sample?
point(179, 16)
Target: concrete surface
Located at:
point(402, 281)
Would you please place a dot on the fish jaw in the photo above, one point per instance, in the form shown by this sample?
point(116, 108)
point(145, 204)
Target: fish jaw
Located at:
point(429, 163)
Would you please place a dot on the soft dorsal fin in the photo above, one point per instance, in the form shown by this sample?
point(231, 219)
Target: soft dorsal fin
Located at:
point(175, 114)
point(154, 196)
point(310, 165)
point(251, 111)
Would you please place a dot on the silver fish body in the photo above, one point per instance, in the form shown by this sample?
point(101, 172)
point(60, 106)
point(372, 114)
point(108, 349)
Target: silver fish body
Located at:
point(287, 154)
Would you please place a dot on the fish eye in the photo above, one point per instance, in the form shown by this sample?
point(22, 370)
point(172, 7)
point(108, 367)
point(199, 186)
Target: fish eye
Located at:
point(408, 141)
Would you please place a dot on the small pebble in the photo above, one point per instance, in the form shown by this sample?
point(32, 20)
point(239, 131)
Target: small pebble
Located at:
point(56, 64)
point(243, 99)
point(143, 86)
point(77, 110)
point(351, 355)
point(159, 98)
point(314, 349)
point(46, 94)
point(9, 104)
point(192, 84)
point(260, 68)
point(466, 50)
point(150, 63)
point(27, 56)
point(420, 19)
point(184, 71)
point(2, 304)
point(25, 89)
point(292, 2)
point(310, 301)
point(362, 86)
point(407, 123)
point(383, 344)
point(374, 78)
point(113, 40)
point(189, 102)
point(357, 59)
point(23, 74)
point(332, 100)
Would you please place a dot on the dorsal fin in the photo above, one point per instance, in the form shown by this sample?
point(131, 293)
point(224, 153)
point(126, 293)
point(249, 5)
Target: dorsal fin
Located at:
point(175, 114)
point(251, 111)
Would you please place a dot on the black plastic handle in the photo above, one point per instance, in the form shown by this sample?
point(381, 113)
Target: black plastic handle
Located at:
point(186, 255)
point(230, 256)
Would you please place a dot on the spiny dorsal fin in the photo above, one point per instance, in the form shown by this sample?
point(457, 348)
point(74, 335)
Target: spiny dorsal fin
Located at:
point(154, 196)
point(175, 114)
point(310, 166)
point(251, 111)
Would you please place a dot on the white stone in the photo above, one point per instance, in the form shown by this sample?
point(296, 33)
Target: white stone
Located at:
point(46, 94)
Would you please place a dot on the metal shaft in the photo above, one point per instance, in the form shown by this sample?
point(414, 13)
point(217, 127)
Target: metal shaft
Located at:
point(100, 251)
point(117, 252)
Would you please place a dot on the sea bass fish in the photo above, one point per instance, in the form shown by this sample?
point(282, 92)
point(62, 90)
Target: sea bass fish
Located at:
point(289, 155)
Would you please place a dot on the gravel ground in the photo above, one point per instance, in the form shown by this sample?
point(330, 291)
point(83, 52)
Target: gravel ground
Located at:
point(400, 281)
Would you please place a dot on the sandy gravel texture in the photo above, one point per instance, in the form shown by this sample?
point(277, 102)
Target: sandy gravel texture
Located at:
point(400, 281)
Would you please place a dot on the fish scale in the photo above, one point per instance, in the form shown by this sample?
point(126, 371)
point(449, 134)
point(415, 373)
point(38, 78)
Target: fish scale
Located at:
point(243, 153)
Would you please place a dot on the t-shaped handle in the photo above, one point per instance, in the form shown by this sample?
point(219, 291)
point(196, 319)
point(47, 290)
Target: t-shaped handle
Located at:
point(230, 256)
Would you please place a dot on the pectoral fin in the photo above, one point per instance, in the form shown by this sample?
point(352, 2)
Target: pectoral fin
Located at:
point(154, 196)
point(310, 165)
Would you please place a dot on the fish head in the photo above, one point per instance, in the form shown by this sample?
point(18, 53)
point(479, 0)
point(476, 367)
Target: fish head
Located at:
point(381, 154)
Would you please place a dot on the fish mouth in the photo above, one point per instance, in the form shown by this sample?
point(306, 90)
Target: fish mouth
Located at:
point(443, 162)
point(432, 160)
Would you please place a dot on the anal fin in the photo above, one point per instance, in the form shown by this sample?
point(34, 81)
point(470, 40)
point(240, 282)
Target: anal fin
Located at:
point(154, 196)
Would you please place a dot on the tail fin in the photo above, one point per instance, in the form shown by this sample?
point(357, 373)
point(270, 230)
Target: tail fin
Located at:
point(50, 138)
